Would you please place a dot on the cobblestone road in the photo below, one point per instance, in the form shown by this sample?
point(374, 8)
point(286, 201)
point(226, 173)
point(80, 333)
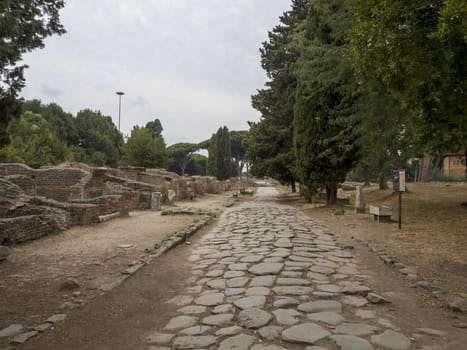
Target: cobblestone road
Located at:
point(268, 277)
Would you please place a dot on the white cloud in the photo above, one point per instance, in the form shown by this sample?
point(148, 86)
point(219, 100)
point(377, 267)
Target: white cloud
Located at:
point(191, 63)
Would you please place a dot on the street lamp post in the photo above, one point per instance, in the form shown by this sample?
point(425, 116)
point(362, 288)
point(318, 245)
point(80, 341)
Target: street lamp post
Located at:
point(120, 94)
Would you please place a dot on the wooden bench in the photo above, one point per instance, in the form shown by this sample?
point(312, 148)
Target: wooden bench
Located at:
point(381, 213)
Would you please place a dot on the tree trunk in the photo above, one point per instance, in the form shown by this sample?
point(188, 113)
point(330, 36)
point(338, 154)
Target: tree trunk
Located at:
point(331, 194)
point(465, 155)
point(294, 187)
point(366, 177)
point(383, 182)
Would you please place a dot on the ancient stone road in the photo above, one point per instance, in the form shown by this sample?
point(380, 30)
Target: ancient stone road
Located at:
point(268, 277)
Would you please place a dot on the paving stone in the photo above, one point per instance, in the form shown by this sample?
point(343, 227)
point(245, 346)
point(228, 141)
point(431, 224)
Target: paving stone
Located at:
point(273, 259)
point(357, 329)
point(263, 281)
point(330, 288)
point(320, 306)
point(267, 347)
point(291, 274)
point(181, 322)
point(317, 276)
point(223, 309)
point(391, 340)
point(250, 302)
point(322, 269)
point(237, 282)
point(354, 301)
point(216, 284)
point(266, 268)
point(238, 342)
point(386, 323)
point(238, 267)
point(329, 317)
point(196, 330)
point(234, 291)
point(431, 331)
point(56, 318)
point(257, 291)
point(193, 309)
point(11, 330)
point(210, 299)
point(233, 274)
point(324, 295)
point(350, 342)
point(214, 273)
point(160, 338)
point(280, 302)
point(228, 331)
point(194, 342)
point(308, 333)
point(253, 318)
point(365, 314)
point(252, 259)
point(42, 327)
point(286, 317)
point(356, 290)
point(377, 299)
point(292, 282)
point(283, 243)
point(292, 290)
point(24, 337)
point(315, 348)
point(218, 320)
point(270, 332)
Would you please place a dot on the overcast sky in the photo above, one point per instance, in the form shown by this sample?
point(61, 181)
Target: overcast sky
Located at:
point(191, 63)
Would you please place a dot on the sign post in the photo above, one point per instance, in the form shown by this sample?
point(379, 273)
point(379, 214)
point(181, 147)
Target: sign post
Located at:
point(399, 187)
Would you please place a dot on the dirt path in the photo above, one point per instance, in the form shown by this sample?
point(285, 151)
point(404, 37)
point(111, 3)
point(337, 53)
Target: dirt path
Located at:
point(34, 280)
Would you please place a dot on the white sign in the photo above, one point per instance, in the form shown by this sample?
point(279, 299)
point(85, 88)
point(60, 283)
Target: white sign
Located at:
point(402, 180)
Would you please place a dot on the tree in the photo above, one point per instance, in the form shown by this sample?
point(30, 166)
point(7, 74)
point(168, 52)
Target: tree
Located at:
point(237, 150)
point(61, 122)
point(24, 24)
point(325, 141)
point(181, 154)
point(382, 152)
point(143, 150)
point(269, 146)
point(155, 127)
point(219, 160)
point(98, 137)
point(33, 142)
point(211, 166)
point(420, 58)
point(197, 165)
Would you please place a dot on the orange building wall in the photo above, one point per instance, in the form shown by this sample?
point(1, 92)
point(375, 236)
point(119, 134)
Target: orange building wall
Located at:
point(450, 169)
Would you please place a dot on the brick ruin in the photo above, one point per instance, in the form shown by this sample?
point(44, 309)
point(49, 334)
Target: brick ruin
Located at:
point(39, 202)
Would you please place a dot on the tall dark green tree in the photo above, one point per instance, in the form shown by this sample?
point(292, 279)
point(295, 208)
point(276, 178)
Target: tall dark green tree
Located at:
point(155, 127)
point(211, 167)
point(269, 147)
point(219, 160)
point(325, 141)
point(24, 24)
point(420, 58)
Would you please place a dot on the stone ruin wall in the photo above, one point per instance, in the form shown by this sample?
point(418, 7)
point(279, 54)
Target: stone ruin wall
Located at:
point(54, 198)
